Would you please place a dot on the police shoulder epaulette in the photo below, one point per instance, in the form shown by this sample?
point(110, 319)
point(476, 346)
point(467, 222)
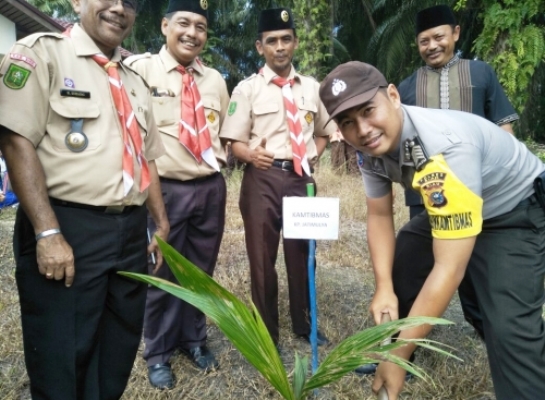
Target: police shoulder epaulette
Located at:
point(31, 40)
point(135, 57)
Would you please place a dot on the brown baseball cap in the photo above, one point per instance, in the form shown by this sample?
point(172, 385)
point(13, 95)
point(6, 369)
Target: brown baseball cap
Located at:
point(350, 85)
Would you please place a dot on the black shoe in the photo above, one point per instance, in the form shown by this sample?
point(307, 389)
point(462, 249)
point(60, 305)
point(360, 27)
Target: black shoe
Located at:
point(160, 376)
point(321, 339)
point(201, 357)
point(366, 369)
point(370, 369)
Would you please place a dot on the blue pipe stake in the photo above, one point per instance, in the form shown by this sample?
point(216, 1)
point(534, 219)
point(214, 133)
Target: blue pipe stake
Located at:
point(312, 292)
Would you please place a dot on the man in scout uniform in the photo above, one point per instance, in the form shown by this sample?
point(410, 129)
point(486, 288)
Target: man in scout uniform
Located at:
point(82, 164)
point(477, 184)
point(271, 121)
point(189, 103)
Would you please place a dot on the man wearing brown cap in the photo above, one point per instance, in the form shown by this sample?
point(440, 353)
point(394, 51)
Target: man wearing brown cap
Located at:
point(80, 141)
point(477, 184)
point(272, 120)
point(189, 102)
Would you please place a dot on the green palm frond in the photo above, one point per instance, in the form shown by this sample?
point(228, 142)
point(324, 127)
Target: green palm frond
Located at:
point(365, 347)
point(244, 327)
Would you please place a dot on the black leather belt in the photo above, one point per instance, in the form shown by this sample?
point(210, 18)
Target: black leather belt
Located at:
point(196, 180)
point(103, 209)
point(286, 165)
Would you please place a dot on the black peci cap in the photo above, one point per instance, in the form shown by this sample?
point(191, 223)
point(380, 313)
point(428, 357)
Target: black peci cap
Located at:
point(194, 6)
point(434, 16)
point(275, 19)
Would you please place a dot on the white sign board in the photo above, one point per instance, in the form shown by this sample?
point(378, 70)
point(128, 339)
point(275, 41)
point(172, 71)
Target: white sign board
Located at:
point(310, 218)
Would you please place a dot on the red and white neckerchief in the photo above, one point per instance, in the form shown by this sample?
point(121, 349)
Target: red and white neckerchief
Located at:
point(298, 147)
point(194, 134)
point(132, 141)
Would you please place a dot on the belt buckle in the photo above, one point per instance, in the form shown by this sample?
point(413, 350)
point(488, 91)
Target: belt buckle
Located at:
point(114, 209)
point(286, 166)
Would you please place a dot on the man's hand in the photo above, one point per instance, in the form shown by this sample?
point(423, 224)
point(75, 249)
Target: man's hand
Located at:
point(384, 302)
point(391, 377)
point(261, 158)
point(55, 259)
point(153, 247)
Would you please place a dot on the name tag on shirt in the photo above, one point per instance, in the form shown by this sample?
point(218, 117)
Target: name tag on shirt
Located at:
point(75, 93)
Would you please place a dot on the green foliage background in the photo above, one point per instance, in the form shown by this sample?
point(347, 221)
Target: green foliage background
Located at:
point(508, 34)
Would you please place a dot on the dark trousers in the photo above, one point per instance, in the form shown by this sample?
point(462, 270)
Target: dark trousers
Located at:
point(466, 290)
point(508, 268)
point(196, 211)
point(261, 208)
point(81, 342)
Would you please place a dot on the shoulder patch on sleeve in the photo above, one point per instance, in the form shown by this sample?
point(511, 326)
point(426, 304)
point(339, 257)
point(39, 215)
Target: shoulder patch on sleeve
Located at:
point(454, 211)
point(16, 77)
point(232, 108)
point(23, 58)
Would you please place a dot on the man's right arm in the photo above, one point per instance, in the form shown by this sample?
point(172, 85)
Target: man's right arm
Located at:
point(259, 157)
point(381, 241)
point(54, 255)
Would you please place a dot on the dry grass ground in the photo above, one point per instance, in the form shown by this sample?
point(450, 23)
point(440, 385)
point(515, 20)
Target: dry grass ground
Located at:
point(344, 286)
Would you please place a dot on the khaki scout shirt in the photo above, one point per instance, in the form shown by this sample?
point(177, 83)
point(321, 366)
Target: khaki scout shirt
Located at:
point(159, 71)
point(49, 80)
point(257, 111)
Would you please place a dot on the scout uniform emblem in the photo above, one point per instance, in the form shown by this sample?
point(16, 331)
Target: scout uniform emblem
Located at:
point(69, 83)
point(204, 4)
point(16, 77)
point(211, 117)
point(309, 118)
point(76, 140)
point(285, 16)
point(232, 108)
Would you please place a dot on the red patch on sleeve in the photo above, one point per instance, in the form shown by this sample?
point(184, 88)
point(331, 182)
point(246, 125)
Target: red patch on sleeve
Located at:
point(25, 59)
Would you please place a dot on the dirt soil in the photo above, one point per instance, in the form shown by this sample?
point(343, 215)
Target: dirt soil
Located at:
point(344, 286)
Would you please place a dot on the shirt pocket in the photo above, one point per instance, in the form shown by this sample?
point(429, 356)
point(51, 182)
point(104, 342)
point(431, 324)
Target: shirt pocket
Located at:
point(164, 110)
point(212, 109)
point(267, 118)
point(66, 109)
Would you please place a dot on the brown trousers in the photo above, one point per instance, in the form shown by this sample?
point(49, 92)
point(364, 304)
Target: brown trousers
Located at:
point(261, 208)
point(196, 212)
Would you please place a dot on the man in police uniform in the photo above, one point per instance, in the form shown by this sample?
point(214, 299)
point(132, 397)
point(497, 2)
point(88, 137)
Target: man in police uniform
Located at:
point(193, 190)
point(82, 164)
point(257, 125)
point(476, 181)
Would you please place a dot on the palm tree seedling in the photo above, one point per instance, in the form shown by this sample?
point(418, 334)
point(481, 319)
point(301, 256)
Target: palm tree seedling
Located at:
point(246, 330)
